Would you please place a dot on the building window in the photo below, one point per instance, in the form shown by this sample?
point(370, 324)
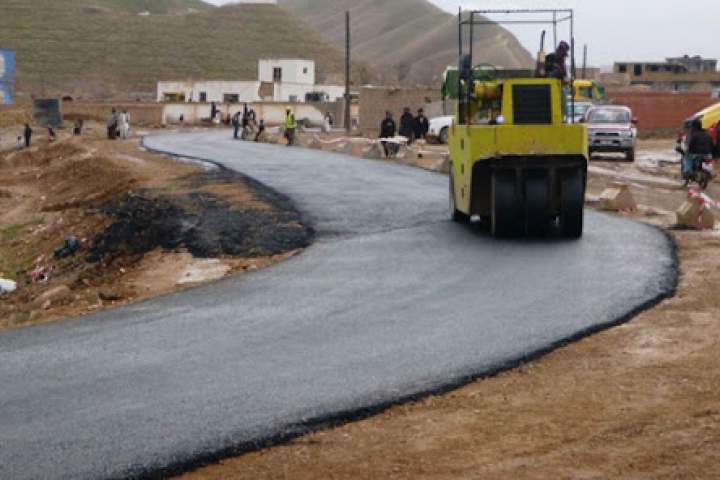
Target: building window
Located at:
point(305, 70)
point(277, 74)
point(637, 71)
point(293, 98)
point(231, 98)
point(654, 68)
point(203, 97)
point(622, 68)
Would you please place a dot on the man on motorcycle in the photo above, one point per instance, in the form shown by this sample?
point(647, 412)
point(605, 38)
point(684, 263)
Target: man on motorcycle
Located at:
point(699, 148)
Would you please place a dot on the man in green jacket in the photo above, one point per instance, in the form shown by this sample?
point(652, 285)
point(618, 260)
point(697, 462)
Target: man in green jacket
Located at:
point(290, 126)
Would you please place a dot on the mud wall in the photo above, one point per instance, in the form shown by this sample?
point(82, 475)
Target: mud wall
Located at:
point(375, 101)
point(272, 112)
point(148, 114)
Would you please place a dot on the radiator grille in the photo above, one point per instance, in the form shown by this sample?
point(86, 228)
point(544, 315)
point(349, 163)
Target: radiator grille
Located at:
point(532, 105)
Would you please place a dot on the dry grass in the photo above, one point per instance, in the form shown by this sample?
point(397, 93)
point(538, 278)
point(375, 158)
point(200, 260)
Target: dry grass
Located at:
point(92, 49)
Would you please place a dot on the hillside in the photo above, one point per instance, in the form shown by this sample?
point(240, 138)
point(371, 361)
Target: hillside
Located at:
point(409, 40)
point(105, 49)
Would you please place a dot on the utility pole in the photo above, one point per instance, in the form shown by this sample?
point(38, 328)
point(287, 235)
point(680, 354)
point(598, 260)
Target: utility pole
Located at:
point(348, 120)
point(584, 69)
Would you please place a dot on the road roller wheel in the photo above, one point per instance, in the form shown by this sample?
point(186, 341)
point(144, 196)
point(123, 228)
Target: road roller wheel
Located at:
point(455, 214)
point(536, 203)
point(505, 205)
point(572, 191)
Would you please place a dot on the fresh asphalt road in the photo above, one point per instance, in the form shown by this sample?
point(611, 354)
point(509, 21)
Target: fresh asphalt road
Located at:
point(392, 300)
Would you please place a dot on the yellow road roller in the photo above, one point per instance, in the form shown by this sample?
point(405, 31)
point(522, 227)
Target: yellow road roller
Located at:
point(516, 159)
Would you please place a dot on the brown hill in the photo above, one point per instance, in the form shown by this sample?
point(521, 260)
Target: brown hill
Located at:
point(408, 40)
point(106, 48)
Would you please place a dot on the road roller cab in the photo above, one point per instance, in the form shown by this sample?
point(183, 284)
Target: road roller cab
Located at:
point(515, 162)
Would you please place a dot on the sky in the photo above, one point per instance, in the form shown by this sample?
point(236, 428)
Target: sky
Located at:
point(618, 30)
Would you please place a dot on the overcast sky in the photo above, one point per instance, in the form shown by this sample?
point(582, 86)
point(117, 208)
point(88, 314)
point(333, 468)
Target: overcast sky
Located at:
point(620, 30)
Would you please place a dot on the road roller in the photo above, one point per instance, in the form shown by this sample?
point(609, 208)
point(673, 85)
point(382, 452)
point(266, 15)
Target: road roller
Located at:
point(517, 162)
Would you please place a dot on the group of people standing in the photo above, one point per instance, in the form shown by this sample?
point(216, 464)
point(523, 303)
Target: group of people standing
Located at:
point(412, 127)
point(245, 125)
point(118, 124)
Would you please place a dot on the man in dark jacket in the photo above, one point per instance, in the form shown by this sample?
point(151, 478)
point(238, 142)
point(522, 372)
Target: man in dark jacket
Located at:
point(236, 125)
point(422, 125)
point(556, 63)
point(407, 125)
point(700, 145)
point(27, 133)
point(388, 130)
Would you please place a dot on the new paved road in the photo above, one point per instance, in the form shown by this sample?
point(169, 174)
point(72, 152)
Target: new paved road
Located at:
point(391, 300)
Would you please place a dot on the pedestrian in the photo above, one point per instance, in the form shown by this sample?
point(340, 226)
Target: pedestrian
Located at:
point(260, 131)
point(77, 128)
point(407, 125)
point(422, 125)
point(112, 124)
point(27, 133)
point(290, 127)
point(388, 130)
point(236, 125)
point(328, 123)
point(51, 134)
point(124, 122)
point(20, 143)
point(245, 125)
point(213, 111)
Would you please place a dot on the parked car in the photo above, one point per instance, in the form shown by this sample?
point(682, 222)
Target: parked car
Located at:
point(581, 109)
point(612, 129)
point(440, 128)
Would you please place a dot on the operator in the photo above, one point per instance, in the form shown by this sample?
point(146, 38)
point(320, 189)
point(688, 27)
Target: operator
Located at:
point(699, 147)
point(290, 127)
point(556, 63)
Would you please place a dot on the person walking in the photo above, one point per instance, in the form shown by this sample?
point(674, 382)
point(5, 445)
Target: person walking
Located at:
point(124, 122)
point(407, 125)
point(422, 125)
point(112, 124)
point(290, 127)
point(328, 123)
point(27, 133)
point(236, 125)
point(260, 131)
point(388, 130)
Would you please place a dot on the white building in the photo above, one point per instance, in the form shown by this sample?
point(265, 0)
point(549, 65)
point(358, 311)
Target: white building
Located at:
point(279, 80)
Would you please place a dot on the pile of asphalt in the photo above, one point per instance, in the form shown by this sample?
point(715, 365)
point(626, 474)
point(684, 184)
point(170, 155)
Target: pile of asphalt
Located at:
point(202, 223)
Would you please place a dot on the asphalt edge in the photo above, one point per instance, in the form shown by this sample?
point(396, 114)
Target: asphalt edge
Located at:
point(669, 286)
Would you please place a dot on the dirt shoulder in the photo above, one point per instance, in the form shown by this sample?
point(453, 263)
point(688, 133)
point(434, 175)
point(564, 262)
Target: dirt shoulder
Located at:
point(133, 224)
point(638, 401)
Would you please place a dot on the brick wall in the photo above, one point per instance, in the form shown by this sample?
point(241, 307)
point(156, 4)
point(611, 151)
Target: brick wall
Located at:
point(375, 101)
point(661, 111)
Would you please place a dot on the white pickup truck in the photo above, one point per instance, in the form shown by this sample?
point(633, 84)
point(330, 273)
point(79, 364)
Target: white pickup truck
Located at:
point(440, 128)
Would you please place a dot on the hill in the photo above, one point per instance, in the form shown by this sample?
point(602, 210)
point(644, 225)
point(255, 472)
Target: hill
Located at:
point(409, 40)
point(106, 49)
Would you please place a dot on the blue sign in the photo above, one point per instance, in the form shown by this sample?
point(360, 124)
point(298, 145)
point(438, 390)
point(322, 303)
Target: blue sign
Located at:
point(7, 76)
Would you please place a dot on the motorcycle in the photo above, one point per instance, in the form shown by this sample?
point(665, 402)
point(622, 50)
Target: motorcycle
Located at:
point(695, 168)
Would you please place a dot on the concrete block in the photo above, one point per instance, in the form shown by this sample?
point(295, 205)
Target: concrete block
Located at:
point(693, 213)
point(617, 199)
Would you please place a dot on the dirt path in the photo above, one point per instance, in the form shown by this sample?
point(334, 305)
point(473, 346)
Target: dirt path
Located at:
point(639, 401)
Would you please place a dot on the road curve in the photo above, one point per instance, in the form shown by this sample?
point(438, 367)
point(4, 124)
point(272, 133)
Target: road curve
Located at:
point(391, 301)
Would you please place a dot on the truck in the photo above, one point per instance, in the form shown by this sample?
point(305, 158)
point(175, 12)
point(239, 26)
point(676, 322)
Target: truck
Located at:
point(518, 162)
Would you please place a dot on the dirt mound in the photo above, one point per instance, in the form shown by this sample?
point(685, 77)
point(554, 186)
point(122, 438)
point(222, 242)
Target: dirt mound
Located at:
point(42, 156)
